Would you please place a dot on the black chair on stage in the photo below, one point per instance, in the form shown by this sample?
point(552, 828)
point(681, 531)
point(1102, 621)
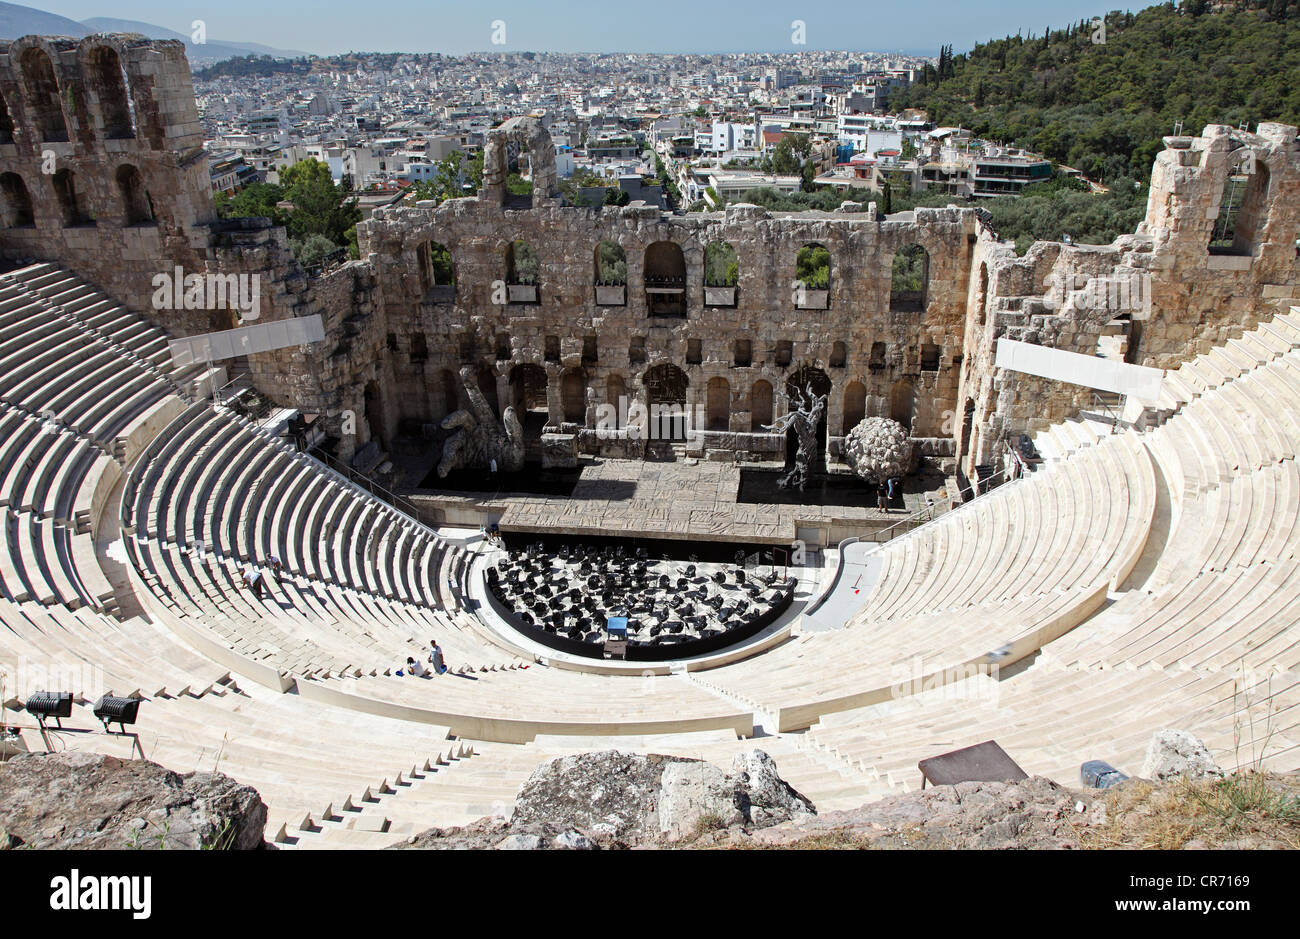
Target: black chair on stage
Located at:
point(740, 575)
point(690, 570)
point(719, 577)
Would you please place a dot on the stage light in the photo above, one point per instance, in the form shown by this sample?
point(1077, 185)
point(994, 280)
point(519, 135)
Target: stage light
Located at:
point(114, 710)
point(47, 704)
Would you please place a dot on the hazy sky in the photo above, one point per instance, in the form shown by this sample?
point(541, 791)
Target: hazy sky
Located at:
point(327, 26)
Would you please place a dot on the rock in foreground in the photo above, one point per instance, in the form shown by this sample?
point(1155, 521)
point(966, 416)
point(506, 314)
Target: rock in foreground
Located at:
point(78, 800)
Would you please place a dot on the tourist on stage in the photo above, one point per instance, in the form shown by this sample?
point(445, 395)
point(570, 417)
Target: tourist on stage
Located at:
point(882, 500)
point(893, 487)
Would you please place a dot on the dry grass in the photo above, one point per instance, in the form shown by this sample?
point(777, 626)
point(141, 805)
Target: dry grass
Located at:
point(1247, 809)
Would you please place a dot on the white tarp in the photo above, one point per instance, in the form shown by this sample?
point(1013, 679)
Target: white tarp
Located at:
point(1088, 370)
point(247, 340)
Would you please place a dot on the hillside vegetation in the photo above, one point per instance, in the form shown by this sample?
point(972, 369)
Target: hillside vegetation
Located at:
point(1101, 101)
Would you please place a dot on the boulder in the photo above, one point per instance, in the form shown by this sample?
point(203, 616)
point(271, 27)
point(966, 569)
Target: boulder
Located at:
point(1178, 753)
point(692, 792)
point(78, 800)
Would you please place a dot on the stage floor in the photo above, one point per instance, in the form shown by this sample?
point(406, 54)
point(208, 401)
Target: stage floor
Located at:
point(679, 501)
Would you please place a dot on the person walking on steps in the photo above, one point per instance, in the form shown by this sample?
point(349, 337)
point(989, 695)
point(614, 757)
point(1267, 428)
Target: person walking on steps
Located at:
point(435, 658)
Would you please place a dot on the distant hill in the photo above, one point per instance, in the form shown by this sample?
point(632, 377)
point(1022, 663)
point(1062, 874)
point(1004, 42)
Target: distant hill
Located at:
point(17, 20)
point(1101, 101)
point(214, 50)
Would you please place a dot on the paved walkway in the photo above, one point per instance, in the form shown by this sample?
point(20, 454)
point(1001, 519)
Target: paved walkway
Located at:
point(855, 584)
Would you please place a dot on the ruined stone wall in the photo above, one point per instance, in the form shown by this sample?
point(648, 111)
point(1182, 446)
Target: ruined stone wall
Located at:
point(1180, 295)
point(102, 171)
point(473, 327)
point(100, 139)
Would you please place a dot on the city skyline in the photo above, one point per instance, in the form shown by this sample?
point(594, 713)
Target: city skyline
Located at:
point(328, 27)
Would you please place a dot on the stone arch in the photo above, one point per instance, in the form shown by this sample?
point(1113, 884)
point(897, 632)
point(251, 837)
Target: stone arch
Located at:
point(902, 402)
point(760, 406)
point(664, 272)
point(573, 396)
point(373, 399)
point(610, 265)
point(528, 387)
point(486, 379)
point(615, 394)
point(721, 265)
point(450, 392)
point(967, 424)
point(523, 132)
point(137, 206)
point(665, 386)
point(16, 202)
point(65, 192)
point(909, 279)
point(6, 122)
point(855, 405)
point(1243, 208)
point(522, 264)
point(107, 80)
point(717, 404)
point(42, 93)
point(812, 266)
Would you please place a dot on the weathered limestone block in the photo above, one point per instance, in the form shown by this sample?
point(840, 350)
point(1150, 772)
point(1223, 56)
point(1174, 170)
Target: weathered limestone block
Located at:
point(559, 451)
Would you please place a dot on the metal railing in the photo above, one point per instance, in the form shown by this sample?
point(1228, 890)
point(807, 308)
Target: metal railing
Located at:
point(337, 467)
point(1110, 412)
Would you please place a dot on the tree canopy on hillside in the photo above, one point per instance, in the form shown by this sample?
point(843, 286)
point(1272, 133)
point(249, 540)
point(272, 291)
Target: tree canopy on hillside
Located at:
point(1101, 99)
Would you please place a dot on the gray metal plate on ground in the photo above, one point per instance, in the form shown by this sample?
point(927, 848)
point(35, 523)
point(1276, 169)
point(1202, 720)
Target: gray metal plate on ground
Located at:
point(984, 762)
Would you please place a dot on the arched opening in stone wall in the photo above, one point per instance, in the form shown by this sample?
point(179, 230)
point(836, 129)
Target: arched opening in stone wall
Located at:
point(1247, 229)
point(108, 82)
point(437, 268)
point(450, 393)
point(573, 396)
point(760, 406)
point(42, 90)
point(909, 279)
point(666, 386)
point(721, 265)
point(855, 405)
point(812, 267)
point(902, 402)
point(717, 407)
point(65, 191)
point(487, 386)
point(967, 423)
point(528, 384)
point(615, 393)
point(808, 377)
point(374, 405)
point(982, 294)
point(522, 265)
point(665, 279)
point(839, 354)
point(137, 207)
point(610, 265)
point(1243, 208)
point(15, 202)
point(6, 122)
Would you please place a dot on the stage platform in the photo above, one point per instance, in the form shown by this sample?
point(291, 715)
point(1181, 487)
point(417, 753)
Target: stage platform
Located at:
point(681, 501)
